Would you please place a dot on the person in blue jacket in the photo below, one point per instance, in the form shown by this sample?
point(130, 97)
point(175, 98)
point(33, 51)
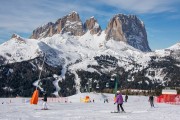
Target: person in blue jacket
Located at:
point(119, 101)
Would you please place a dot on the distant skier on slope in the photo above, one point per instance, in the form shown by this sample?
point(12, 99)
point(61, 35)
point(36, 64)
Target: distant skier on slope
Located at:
point(45, 101)
point(119, 101)
point(126, 97)
point(151, 100)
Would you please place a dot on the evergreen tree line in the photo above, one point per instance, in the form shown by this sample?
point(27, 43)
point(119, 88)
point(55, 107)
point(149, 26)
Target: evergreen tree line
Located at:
point(17, 79)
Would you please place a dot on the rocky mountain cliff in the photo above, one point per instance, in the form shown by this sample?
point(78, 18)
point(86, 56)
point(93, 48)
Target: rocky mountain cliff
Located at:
point(71, 24)
point(92, 25)
point(126, 28)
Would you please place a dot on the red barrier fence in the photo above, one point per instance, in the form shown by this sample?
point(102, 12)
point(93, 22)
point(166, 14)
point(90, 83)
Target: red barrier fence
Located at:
point(168, 98)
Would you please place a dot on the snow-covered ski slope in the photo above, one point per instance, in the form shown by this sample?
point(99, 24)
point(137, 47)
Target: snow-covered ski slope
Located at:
point(137, 108)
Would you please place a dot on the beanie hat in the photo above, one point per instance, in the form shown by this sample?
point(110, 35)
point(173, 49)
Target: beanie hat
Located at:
point(118, 91)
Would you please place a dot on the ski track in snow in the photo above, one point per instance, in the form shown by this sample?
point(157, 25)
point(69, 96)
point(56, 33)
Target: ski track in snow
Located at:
point(137, 108)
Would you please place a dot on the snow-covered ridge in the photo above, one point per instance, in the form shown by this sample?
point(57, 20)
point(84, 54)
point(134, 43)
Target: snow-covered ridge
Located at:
point(175, 47)
point(16, 50)
point(72, 48)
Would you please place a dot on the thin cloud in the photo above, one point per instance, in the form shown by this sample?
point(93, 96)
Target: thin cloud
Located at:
point(143, 6)
point(174, 17)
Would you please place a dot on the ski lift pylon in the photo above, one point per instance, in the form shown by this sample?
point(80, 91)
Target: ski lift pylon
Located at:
point(34, 99)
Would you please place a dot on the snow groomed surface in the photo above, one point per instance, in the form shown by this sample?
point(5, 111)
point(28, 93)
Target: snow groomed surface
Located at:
point(137, 108)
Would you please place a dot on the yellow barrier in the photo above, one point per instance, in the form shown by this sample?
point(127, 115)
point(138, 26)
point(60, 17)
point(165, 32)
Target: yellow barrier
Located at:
point(86, 99)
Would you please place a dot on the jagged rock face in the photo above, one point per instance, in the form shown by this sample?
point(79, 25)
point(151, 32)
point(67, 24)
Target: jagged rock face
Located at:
point(43, 31)
point(124, 28)
point(92, 25)
point(14, 36)
point(70, 23)
point(128, 29)
point(114, 30)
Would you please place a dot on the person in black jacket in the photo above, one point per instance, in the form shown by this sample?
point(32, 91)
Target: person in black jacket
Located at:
point(45, 101)
point(126, 97)
point(151, 100)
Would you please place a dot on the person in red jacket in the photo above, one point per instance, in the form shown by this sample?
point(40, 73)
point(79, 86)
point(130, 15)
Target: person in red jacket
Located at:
point(119, 101)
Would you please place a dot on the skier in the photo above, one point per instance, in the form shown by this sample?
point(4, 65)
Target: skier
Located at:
point(45, 101)
point(107, 100)
point(151, 100)
point(119, 101)
point(126, 97)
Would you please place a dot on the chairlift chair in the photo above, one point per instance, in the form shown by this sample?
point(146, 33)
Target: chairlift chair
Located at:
point(97, 86)
point(107, 84)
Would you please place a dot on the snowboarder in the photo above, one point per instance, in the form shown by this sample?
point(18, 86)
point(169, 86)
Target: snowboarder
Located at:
point(151, 100)
point(126, 97)
point(45, 101)
point(119, 101)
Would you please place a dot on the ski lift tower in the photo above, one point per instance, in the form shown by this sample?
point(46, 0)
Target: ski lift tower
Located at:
point(89, 85)
point(115, 78)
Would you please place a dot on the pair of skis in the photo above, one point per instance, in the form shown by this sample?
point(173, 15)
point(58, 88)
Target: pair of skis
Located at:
point(118, 112)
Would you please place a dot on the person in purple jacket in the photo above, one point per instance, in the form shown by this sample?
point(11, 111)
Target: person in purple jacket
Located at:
point(119, 101)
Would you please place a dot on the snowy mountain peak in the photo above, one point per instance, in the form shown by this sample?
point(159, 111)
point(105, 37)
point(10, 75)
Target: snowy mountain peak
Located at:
point(73, 12)
point(73, 16)
point(176, 46)
point(128, 29)
point(17, 37)
point(92, 25)
point(68, 24)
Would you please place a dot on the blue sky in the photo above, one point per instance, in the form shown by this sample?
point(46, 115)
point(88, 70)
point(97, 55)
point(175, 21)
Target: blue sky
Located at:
point(161, 17)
